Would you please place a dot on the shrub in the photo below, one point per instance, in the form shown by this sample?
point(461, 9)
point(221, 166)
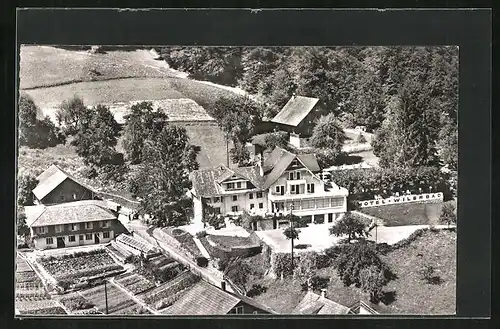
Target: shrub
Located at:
point(201, 234)
point(428, 275)
point(256, 290)
point(322, 261)
point(202, 261)
point(316, 283)
point(448, 214)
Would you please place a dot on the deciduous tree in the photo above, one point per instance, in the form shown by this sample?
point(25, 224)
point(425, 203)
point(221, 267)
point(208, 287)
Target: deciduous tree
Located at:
point(448, 214)
point(372, 280)
point(70, 113)
point(328, 134)
point(351, 226)
point(25, 185)
point(163, 178)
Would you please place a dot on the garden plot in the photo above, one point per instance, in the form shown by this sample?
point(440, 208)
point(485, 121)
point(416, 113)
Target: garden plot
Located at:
point(120, 253)
point(74, 267)
point(75, 302)
point(167, 293)
point(40, 307)
point(28, 284)
point(135, 283)
point(118, 301)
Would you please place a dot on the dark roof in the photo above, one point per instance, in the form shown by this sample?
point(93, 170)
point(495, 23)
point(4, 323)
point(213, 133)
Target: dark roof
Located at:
point(207, 182)
point(368, 306)
point(254, 303)
point(203, 299)
point(309, 161)
point(52, 178)
point(315, 304)
point(295, 110)
point(70, 212)
point(279, 167)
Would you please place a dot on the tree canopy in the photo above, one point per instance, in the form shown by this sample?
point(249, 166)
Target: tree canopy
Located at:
point(328, 134)
point(25, 185)
point(142, 122)
point(33, 132)
point(349, 225)
point(163, 177)
point(70, 113)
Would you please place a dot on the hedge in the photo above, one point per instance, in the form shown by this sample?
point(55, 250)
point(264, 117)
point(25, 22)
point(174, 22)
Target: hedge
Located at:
point(364, 184)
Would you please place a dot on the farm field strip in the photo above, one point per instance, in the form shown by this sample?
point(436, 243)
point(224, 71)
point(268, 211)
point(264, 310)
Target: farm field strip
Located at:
point(118, 301)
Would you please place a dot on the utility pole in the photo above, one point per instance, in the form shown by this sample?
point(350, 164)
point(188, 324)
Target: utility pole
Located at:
point(227, 148)
point(106, 295)
point(291, 229)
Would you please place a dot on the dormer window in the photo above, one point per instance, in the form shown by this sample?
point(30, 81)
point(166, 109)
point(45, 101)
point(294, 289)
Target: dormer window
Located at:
point(230, 185)
point(238, 185)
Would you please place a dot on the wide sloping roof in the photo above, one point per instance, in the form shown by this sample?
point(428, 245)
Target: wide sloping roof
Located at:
point(309, 161)
point(315, 304)
point(207, 182)
point(295, 110)
point(279, 167)
point(52, 178)
point(203, 299)
point(70, 212)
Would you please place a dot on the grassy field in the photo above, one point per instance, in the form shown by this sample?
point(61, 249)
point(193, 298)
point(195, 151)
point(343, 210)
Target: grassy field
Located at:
point(118, 301)
point(409, 293)
point(47, 66)
point(36, 161)
point(413, 295)
point(406, 213)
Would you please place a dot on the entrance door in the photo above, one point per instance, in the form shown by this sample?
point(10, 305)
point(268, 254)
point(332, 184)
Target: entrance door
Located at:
point(60, 242)
point(96, 238)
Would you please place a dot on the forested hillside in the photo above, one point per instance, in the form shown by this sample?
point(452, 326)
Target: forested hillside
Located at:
point(407, 95)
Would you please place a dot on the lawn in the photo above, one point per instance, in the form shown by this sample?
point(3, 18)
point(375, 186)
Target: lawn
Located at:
point(406, 213)
point(281, 296)
point(413, 295)
point(36, 161)
point(65, 66)
point(118, 301)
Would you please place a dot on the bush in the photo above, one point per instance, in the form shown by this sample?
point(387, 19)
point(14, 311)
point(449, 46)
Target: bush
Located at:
point(322, 261)
point(316, 283)
point(202, 261)
point(428, 275)
point(201, 234)
point(256, 290)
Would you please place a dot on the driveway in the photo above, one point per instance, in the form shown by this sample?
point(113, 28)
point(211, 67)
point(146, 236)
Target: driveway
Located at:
point(319, 238)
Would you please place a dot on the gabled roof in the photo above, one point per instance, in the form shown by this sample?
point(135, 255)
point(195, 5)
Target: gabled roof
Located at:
point(207, 182)
point(70, 212)
point(309, 161)
point(203, 299)
point(315, 304)
point(295, 110)
point(367, 306)
point(52, 178)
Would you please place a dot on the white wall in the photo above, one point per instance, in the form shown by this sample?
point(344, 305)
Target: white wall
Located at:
point(40, 243)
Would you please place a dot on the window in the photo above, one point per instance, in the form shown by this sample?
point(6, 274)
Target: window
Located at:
point(62, 197)
point(337, 202)
point(81, 237)
point(89, 226)
point(238, 185)
point(250, 196)
point(293, 189)
point(297, 175)
point(59, 228)
point(74, 196)
point(217, 210)
point(72, 238)
point(216, 199)
point(237, 310)
point(73, 227)
point(291, 175)
point(105, 223)
point(235, 198)
point(230, 186)
point(261, 205)
point(277, 189)
point(105, 235)
point(259, 195)
point(234, 208)
point(49, 241)
point(88, 236)
point(330, 218)
point(280, 189)
point(42, 230)
point(251, 205)
point(310, 188)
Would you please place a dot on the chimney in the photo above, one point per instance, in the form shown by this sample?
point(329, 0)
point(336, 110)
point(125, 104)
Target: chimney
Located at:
point(295, 140)
point(223, 285)
point(259, 163)
point(323, 293)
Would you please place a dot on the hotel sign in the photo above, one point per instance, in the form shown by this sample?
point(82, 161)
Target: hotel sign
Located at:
point(402, 199)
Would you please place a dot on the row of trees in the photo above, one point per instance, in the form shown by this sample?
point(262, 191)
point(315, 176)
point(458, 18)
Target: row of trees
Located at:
point(407, 95)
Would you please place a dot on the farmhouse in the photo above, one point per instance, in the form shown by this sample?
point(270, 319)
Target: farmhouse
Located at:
point(206, 299)
point(313, 303)
point(298, 117)
point(71, 224)
point(281, 182)
point(57, 186)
